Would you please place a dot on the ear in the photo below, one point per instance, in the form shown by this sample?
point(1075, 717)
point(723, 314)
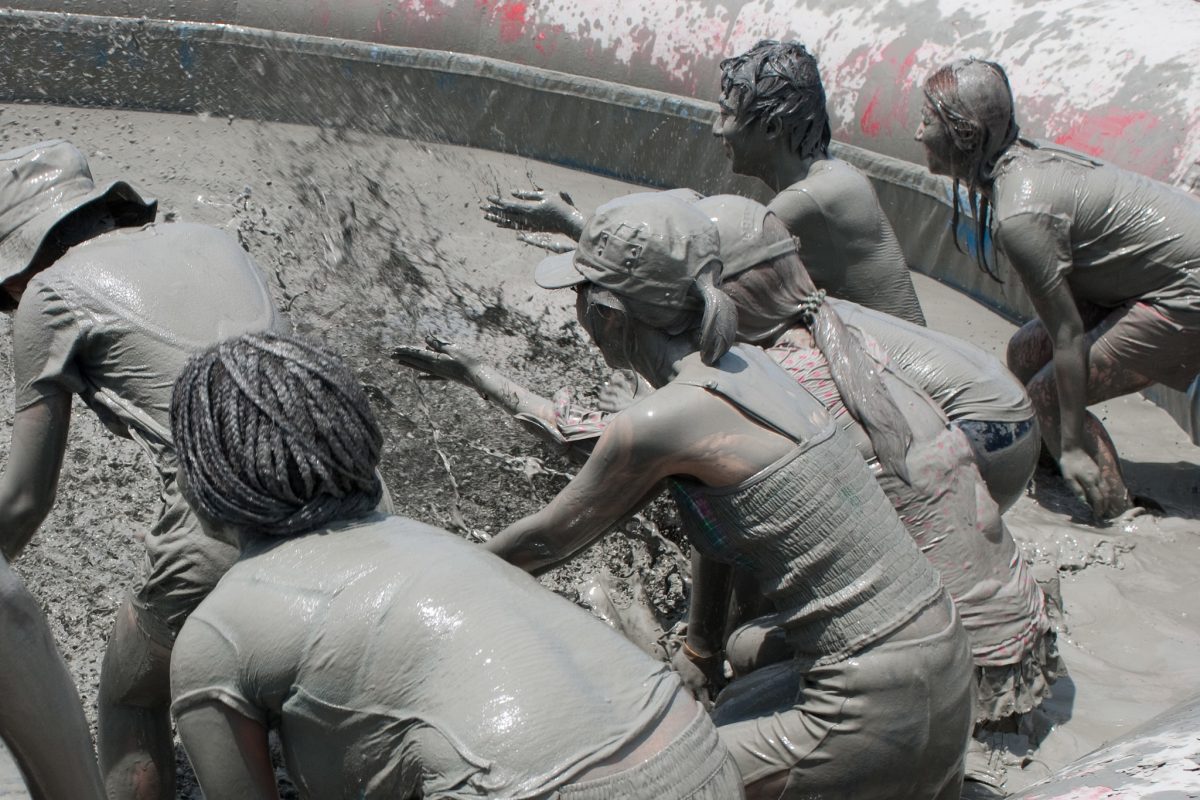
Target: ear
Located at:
point(773, 128)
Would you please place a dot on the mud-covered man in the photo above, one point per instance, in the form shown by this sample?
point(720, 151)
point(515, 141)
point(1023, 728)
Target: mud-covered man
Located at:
point(774, 125)
point(108, 305)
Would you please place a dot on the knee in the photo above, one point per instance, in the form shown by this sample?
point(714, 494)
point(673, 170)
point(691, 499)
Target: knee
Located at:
point(1029, 350)
point(19, 611)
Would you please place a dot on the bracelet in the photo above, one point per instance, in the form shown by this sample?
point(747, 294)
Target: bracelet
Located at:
point(693, 655)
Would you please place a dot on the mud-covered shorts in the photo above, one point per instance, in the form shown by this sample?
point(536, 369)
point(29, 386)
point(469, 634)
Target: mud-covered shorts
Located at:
point(889, 723)
point(183, 564)
point(696, 766)
point(1162, 344)
point(1006, 454)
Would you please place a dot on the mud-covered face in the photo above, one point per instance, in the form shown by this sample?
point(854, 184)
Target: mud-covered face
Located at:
point(605, 326)
point(744, 140)
point(942, 155)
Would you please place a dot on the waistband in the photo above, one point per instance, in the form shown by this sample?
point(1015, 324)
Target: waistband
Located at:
point(696, 766)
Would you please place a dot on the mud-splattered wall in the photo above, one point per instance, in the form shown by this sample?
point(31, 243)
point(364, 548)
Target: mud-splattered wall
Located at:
point(1119, 80)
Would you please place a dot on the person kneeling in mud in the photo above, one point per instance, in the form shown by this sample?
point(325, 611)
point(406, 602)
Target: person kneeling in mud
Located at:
point(1108, 257)
point(396, 659)
point(925, 467)
point(773, 123)
point(109, 306)
point(763, 479)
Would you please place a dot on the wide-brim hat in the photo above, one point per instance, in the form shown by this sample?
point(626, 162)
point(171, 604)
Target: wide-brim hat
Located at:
point(40, 186)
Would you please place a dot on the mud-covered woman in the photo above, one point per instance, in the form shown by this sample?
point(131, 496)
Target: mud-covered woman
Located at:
point(395, 659)
point(774, 126)
point(764, 479)
point(1109, 259)
point(925, 466)
point(108, 305)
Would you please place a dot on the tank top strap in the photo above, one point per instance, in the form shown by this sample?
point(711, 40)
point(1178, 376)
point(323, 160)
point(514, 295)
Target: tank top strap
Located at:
point(749, 379)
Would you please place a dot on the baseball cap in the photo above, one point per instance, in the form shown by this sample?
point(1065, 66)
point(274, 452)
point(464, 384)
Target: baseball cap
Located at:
point(741, 226)
point(648, 246)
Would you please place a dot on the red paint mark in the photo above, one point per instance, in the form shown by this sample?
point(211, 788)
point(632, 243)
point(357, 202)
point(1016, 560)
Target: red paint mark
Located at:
point(887, 112)
point(512, 21)
point(1097, 133)
point(869, 125)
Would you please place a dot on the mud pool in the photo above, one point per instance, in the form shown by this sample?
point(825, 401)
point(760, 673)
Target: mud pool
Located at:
point(373, 242)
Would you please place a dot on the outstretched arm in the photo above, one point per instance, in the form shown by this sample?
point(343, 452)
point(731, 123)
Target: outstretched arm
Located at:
point(228, 751)
point(30, 480)
point(537, 414)
point(1038, 247)
point(620, 476)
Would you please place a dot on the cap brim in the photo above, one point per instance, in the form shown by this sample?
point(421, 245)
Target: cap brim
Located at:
point(558, 272)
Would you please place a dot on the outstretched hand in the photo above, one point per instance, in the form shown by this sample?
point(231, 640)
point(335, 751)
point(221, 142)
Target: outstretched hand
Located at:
point(438, 359)
point(535, 210)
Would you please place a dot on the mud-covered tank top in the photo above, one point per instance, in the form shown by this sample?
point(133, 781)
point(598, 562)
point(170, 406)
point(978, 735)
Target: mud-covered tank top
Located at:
point(814, 527)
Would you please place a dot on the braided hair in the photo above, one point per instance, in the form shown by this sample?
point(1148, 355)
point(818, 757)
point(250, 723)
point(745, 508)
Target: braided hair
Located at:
point(275, 436)
point(780, 80)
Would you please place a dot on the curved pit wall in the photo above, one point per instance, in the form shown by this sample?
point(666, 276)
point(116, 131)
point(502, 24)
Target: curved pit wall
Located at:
point(548, 80)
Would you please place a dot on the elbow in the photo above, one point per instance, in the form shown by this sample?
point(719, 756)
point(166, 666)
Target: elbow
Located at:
point(19, 520)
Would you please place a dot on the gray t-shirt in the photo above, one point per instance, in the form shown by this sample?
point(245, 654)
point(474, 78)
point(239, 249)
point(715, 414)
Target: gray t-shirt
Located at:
point(963, 380)
point(846, 241)
point(1114, 236)
point(116, 317)
point(400, 661)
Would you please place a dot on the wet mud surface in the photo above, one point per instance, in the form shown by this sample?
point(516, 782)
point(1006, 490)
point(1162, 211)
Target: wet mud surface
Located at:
point(373, 242)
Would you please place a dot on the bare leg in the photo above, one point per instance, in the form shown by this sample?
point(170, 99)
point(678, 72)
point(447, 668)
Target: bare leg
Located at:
point(41, 718)
point(137, 751)
point(1106, 380)
point(1029, 349)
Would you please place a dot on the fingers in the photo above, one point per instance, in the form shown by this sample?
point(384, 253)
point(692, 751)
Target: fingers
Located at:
point(528, 194)
point(438, 345)
point(500, 220)
point(545, 242)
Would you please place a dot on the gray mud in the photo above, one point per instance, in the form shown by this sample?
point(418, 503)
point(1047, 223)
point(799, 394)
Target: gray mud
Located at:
point(373, 242)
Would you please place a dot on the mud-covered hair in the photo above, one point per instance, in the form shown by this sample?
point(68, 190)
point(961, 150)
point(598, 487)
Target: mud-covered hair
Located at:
point(780, 81)
point(974, 100)
point(778, 295)
point(275, 436)
point(713, 329)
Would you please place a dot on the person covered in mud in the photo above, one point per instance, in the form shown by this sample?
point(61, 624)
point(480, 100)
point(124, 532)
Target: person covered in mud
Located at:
point(108, 305)
point(764, 479)
point(774, 125)
point(1108, 257)
point(926, 467)
point(974, 390)
point(396, 659)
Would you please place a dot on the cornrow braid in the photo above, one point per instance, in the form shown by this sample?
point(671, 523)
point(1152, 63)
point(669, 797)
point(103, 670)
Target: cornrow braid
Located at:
point(275, 435)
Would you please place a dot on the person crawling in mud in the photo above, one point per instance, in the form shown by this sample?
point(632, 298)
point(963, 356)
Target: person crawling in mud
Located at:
point(108, 306)
point(396, 659)
point(1108, 257)
point(925, 466)
point(763, 479)
point(774, 125)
